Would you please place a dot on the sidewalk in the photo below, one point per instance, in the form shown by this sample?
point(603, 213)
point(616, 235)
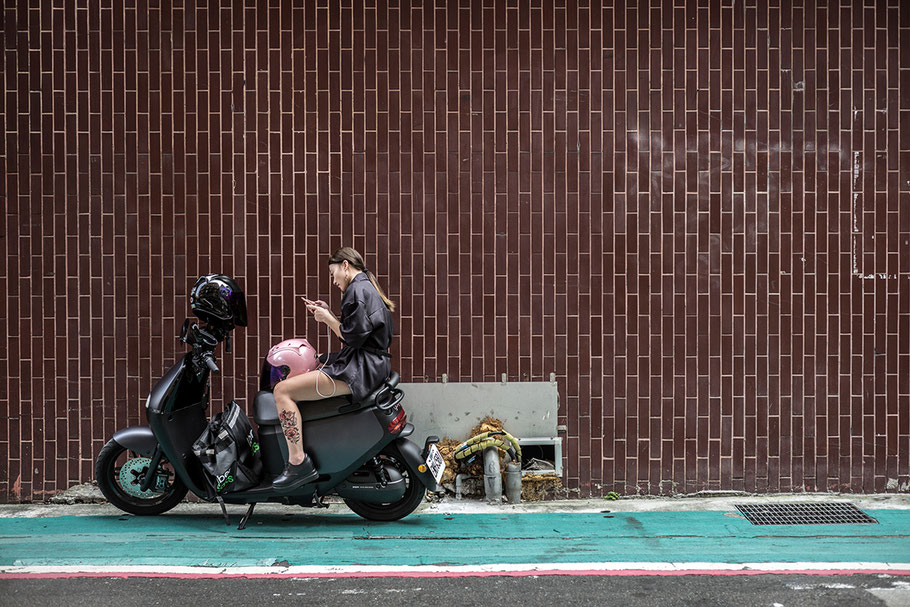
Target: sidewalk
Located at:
point(449, 538)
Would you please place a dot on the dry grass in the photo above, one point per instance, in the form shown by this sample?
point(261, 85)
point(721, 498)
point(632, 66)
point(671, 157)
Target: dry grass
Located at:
point(536, 487)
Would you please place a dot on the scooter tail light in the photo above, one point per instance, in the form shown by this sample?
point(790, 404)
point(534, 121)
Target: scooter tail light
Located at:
point(398, 423)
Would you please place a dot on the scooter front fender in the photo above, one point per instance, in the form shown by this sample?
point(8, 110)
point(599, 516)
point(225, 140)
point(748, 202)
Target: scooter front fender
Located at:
point(414, 458)
point(137, 438)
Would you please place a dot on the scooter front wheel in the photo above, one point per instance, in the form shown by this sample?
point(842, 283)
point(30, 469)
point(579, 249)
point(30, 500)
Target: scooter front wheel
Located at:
point(120, 472)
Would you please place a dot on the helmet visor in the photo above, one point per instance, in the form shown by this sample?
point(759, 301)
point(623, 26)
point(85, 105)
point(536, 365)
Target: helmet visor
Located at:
point(275, 374)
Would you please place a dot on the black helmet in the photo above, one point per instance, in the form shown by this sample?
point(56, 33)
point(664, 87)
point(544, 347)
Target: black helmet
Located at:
point(216, 297)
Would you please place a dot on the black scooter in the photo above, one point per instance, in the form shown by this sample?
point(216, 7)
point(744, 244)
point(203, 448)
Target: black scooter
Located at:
point(360, 449)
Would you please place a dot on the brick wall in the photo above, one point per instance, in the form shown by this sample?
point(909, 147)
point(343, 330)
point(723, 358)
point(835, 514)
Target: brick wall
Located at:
point(697, 214)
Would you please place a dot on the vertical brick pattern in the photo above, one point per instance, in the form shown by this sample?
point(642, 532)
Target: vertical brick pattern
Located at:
point(695, 214)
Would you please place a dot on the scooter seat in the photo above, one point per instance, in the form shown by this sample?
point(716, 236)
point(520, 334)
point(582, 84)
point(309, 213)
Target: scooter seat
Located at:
point(266, 413)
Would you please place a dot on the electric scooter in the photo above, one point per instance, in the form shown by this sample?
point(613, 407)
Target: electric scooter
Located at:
point(360, 448)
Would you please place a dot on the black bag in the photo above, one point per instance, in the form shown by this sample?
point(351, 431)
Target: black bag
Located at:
point(228, 451)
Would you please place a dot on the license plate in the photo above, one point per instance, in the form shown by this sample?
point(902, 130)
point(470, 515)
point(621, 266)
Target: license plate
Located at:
point(435, 463)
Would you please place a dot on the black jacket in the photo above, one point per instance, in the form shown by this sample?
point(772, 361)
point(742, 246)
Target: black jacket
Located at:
point(366, 332)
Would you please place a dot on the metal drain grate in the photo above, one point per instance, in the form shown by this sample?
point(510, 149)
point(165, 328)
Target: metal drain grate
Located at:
point(805, 513)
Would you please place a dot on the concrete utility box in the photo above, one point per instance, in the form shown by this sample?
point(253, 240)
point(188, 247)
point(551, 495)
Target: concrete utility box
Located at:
point(527, 410)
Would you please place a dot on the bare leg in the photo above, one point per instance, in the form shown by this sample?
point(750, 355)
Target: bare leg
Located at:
point(302, 387)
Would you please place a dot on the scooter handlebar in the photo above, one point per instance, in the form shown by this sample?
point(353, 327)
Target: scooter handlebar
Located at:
point(209, 359)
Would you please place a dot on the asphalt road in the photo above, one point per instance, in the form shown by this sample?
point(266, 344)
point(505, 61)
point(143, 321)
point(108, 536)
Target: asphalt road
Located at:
point(639, 591)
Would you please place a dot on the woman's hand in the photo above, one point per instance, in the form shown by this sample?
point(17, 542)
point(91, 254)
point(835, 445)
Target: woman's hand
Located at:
point(318, 302)
point(320, 311)
point(322, 315)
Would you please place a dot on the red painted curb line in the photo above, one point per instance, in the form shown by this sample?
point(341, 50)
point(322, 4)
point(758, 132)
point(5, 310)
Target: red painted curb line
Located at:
point(448, 574)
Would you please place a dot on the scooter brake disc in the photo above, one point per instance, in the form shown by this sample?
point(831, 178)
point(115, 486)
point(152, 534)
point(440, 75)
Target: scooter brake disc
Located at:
point(132, 473)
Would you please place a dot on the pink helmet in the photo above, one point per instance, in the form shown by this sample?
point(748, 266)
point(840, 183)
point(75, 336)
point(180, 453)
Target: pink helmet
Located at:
point(287, 359)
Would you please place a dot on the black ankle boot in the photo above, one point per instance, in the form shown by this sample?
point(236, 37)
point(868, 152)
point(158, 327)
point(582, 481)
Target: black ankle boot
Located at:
point(295, 476)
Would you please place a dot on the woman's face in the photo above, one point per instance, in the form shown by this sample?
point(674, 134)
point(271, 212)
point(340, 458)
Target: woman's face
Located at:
point(340, 272)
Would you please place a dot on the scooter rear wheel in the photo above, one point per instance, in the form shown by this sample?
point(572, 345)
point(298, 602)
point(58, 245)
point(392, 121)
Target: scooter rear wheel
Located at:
point(413, 495)
point(119, 472)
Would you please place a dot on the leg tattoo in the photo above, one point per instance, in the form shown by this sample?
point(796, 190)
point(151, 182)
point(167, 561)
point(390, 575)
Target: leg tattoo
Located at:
point(289, 425)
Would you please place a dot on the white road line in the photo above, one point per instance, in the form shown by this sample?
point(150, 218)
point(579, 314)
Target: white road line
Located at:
point(524, 569)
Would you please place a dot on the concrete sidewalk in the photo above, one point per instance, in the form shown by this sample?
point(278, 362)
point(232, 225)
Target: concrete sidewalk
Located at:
point(452, 537)
point(710, 500)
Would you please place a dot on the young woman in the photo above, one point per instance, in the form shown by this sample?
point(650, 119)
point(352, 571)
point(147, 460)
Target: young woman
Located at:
point(365, 328)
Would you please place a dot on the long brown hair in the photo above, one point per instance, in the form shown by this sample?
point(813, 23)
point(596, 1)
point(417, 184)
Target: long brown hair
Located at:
point(354, 258)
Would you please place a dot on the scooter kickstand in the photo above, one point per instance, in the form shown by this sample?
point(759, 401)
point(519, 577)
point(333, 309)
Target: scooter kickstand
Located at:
point(227, 521)
point(246, 517)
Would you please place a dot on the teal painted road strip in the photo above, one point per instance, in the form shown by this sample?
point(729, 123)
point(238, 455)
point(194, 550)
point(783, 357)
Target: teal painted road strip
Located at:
point(444, 540)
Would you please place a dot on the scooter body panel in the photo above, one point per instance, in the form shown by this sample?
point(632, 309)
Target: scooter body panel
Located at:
point(176, 416)
point(335, 443)
point(180, 387)
point(339, 446)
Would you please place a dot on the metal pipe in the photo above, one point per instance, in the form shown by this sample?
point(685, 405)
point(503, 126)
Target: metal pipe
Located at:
point(492, 475)
point(513, 482)
point(459, 479)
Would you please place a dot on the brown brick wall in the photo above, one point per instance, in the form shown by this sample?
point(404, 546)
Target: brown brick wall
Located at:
point(696, 214)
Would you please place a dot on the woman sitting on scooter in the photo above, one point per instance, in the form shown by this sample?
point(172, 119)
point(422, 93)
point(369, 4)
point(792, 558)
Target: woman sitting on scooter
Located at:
point(366, 330)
